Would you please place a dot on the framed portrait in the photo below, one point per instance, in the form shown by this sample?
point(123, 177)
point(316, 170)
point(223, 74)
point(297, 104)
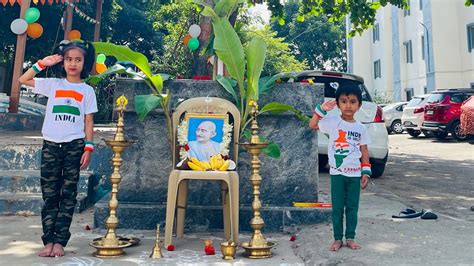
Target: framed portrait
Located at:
point(204, 135)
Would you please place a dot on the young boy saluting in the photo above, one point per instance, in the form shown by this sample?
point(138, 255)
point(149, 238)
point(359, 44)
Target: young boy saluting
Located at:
point(348, 158)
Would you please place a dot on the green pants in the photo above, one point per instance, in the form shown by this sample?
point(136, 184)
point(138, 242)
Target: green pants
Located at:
point(345, 194)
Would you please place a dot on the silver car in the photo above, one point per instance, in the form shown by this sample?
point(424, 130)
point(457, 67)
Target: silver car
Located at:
point(392, 115)
point(413, 118)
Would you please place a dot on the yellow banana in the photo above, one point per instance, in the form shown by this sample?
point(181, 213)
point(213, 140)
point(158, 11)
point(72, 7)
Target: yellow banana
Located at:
point(195, 167)
point(198, 163)
point(212, 162)
point(206, 164)
point(225, 165)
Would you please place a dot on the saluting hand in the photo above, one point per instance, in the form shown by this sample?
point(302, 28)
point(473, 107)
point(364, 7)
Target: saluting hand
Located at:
point(51, 60)
point(329, 105)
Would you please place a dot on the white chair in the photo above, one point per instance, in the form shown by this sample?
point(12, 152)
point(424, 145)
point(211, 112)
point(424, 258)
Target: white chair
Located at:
point(178, 179)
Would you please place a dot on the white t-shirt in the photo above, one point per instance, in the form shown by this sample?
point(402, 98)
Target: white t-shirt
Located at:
point(68, 103)
point(345, 139)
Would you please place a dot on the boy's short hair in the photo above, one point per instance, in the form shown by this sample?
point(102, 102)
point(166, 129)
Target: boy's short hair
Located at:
point(349, 90)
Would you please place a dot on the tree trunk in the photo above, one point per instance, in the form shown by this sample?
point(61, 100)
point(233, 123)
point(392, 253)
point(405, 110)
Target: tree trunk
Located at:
point(201, 65)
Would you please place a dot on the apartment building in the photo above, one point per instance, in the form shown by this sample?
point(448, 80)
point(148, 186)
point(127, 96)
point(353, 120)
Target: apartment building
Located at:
point(428, 47)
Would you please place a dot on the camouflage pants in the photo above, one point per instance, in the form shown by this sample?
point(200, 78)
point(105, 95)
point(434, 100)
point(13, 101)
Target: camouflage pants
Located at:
point(60, 166)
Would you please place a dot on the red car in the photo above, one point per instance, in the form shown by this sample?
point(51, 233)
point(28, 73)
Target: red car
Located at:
point(442, 112)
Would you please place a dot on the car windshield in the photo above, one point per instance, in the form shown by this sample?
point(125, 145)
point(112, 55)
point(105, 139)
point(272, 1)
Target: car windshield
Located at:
point(332, 83)
point(414, 102)
point(436, 98)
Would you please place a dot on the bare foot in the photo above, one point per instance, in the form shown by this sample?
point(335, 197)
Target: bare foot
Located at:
point(352, 244)
point(58, 250)
point(46, 252)
point(336, 245)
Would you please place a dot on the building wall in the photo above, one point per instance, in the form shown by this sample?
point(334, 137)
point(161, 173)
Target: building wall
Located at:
point(447, 62)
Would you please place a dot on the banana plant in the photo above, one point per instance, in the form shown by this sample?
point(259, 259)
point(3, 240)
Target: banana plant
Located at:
point(243, 65)
point(143, 103)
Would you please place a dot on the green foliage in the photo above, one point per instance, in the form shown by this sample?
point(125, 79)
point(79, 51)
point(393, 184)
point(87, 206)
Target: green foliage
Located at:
point(469, 2)
point(144, 103)
point(174, 20)
point(279, 57)
point(361, 12)
point(315, 40)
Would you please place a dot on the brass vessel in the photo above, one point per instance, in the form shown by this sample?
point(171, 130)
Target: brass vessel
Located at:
point(258, 247)
point(110, 246)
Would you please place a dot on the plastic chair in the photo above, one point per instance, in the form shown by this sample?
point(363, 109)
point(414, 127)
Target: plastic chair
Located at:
point(178, 179)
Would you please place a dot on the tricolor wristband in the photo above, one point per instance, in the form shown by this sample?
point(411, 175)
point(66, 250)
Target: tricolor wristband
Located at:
point(89, 146)
point(318, 110)
point(366, 169)
point(38, 67)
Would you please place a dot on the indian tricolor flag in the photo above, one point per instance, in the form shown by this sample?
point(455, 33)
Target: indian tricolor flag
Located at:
point(67, 109)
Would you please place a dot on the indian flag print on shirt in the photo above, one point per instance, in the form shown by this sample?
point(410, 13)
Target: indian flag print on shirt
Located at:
point(342, 148)
point(67, 107)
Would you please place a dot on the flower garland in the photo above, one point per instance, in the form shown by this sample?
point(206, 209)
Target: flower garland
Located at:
point(183, 139)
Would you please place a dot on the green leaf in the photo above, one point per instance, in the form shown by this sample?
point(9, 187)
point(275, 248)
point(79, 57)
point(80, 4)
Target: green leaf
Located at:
point(209, 12)
point(277, 108)
point(123, 53)
point(255, 51)
point(228, 86)
point(272, 150)
point(145, 104)
point(229, 49)
point(115, 69)
point(224, 8)
point(268, 83)
point(157, 82)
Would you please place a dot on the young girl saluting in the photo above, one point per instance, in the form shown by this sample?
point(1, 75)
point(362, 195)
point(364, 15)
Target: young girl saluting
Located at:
point(68, 133)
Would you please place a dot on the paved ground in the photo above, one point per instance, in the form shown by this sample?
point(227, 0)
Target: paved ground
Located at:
point(444, 185)
point(431, 174)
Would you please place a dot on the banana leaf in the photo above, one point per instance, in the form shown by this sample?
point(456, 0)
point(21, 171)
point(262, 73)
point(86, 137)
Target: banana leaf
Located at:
point(255, 52)
point(123, 53)
point(268, 83)
point(229, 85)
point(229, 49)
point(145, 104)
point(277, 108)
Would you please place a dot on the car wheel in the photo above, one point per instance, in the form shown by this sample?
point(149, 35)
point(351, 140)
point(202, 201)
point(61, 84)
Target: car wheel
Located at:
point(456, 132)
point(440, 134)
point(397, 127)
point(378, 169)
point(427, 133)
point(413, 133)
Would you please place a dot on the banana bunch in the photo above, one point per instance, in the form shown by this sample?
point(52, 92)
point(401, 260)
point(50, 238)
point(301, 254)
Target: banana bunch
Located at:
point(197, 165)
point(216, 163)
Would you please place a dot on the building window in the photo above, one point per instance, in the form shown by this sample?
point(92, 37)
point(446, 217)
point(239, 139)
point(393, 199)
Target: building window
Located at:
point(376, 33)
point(377, 69)
point(408, 51)
point(425, 90)
point(470, 37)
point(422, 47)
point(409, 93)
point(421, 4)
point(406, 12)
point(472, 85)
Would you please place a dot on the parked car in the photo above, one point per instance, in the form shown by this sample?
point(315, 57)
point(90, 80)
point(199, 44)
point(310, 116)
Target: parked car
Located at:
point(413, 116)
point(369, 114)
point(442, 112)
point(392, 115)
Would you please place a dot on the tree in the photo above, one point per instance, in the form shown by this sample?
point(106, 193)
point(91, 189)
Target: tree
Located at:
point(321, 43)
point(361, 12)
point(278, 57)
point(174, 19)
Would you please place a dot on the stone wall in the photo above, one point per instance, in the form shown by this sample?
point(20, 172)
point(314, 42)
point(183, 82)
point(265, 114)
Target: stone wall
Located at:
point(147, 163)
